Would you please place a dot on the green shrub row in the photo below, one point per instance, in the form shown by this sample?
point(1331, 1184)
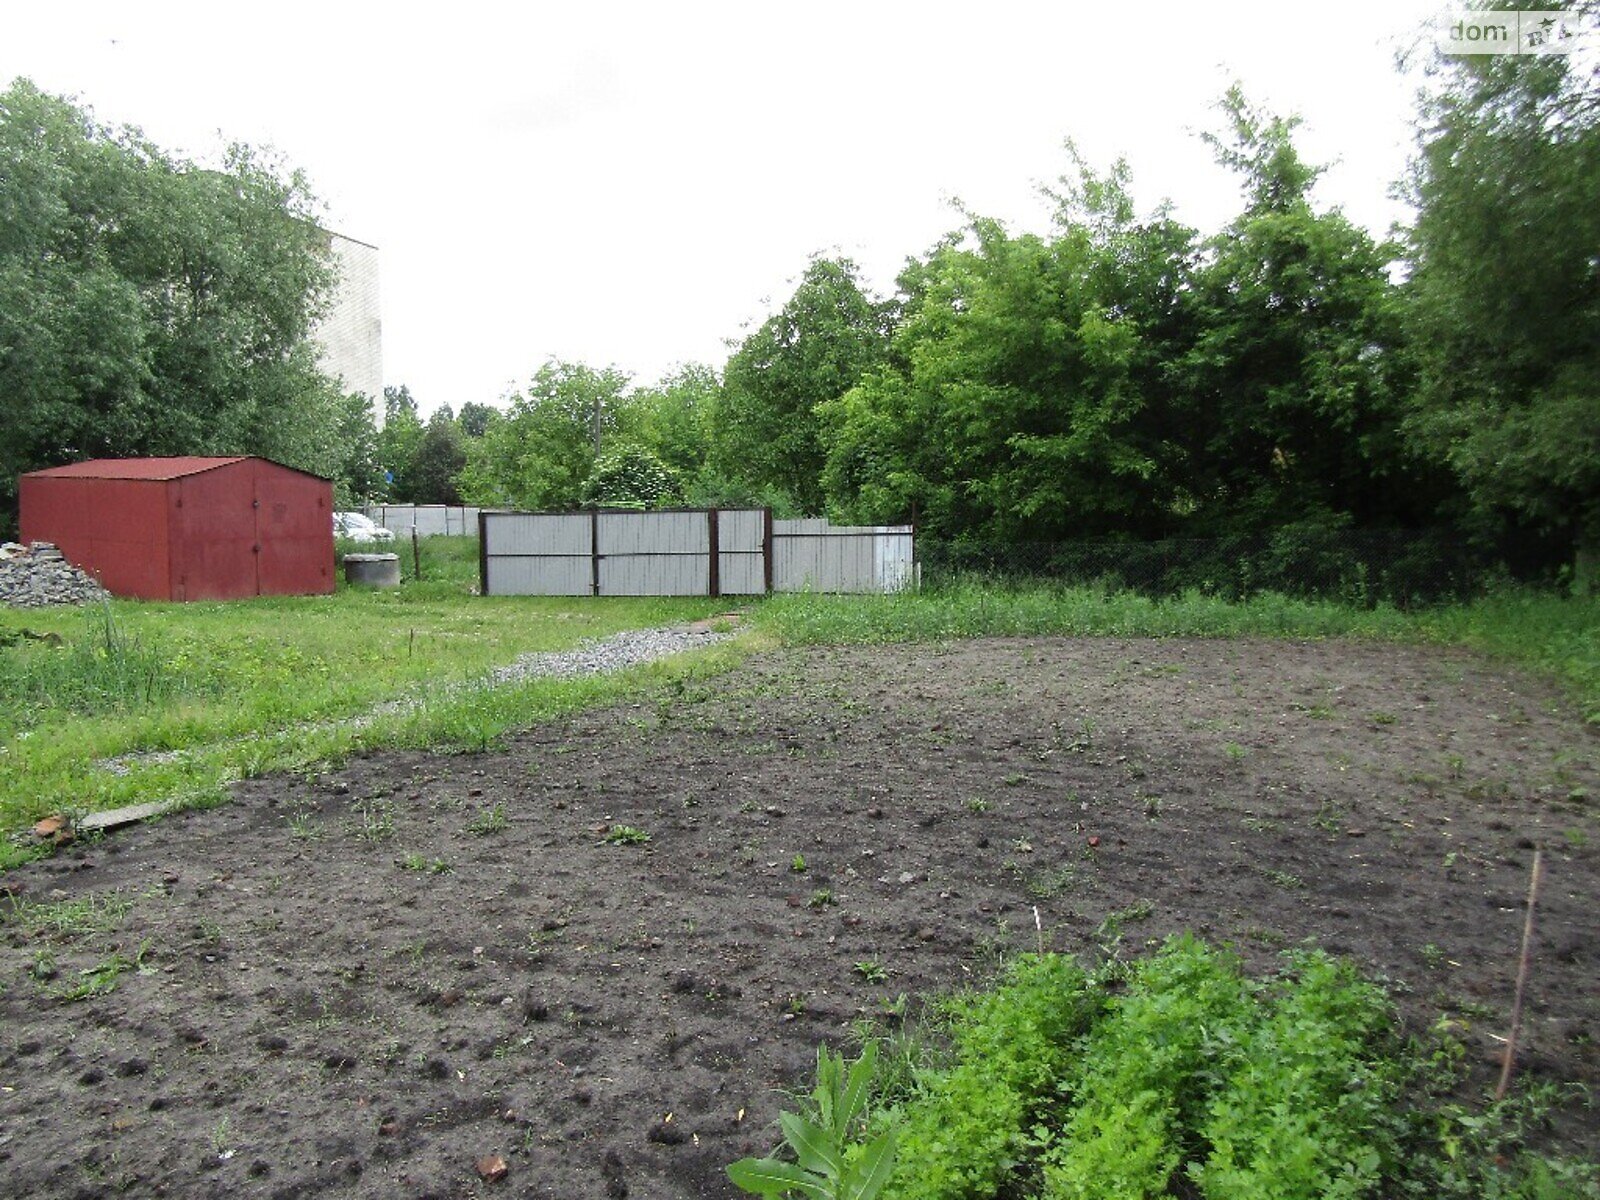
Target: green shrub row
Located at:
point(1182, 1076)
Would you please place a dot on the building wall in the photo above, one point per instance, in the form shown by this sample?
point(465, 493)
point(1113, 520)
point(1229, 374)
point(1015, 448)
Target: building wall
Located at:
point(351, 335)
point(114, 529)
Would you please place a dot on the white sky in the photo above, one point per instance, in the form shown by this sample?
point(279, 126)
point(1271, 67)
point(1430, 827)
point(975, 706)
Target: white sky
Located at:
point(635, 183)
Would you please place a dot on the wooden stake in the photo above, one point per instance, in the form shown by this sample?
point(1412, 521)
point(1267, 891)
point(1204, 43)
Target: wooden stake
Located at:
point(1522, 976)
point(416, 554)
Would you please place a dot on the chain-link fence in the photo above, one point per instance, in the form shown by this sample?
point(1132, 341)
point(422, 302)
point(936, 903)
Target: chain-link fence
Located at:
point(1403, 567)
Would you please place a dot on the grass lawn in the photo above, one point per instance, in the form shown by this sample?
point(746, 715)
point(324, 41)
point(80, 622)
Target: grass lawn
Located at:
point(248, 686)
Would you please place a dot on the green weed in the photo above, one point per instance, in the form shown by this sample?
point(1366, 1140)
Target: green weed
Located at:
point(625, 835)
point(832, 1161)
point(101, 979)
point(433, 866)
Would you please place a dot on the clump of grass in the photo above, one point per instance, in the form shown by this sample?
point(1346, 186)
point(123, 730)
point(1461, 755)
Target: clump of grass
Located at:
point(374, 821)
point(102, 668)
point(96, 912)
point(432, 866)
point(490, 821)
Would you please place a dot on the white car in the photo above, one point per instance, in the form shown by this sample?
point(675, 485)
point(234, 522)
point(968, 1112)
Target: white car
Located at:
point(359, 527)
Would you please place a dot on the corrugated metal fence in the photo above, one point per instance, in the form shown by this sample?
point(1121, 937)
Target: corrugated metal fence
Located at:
point(686, 552)
point(430, 519)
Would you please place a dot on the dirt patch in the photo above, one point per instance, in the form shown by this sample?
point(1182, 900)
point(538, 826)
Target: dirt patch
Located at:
point(383, 981)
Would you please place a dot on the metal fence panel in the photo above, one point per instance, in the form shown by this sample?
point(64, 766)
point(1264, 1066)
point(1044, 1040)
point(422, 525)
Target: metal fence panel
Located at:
point(655, 554)
point(545, 575)
point(527, 554)
point(894, 567)
point(741, 574)
point(741, 544)
point(541, 533)
point(654, 533)
point(431, 520)
point(811, 555)
point(656, 575)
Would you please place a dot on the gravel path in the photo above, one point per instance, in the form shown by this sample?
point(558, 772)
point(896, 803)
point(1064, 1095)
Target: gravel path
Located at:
point(629, 648)
point(626, 649)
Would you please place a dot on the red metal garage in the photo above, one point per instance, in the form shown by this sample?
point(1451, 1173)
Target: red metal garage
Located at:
point(186, 528)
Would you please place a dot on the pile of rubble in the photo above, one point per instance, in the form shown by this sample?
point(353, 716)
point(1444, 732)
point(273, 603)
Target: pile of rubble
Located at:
point(36, 575)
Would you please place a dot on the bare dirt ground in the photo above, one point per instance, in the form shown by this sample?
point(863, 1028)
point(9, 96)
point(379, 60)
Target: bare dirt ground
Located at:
point(376, 982)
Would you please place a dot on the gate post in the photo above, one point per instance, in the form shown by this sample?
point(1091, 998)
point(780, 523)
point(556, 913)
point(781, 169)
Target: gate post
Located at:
point(766, 548)
point(714, 541)
point(483, 553)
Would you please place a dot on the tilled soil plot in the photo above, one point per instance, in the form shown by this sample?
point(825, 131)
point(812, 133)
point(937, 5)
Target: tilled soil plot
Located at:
point(381, 982)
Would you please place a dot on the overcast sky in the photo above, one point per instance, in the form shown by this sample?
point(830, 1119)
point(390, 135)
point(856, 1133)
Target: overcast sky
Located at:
point(636, 183)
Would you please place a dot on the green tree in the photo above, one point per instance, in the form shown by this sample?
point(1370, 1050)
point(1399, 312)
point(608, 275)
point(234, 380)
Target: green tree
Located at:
point(398, 438)
point(1288, 406)
point(631, 477)
point(678, 420)
point(819, 345)
point(539, 454)
point(474, 418)
point(148, 306)
point(431, 473)
point(1022, 400)
point(359, 476)
point(1504, 293)
point(676, 417)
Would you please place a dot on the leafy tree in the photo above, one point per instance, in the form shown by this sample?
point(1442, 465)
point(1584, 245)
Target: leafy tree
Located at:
point(1289, 407)
point(430, 475)
point(819, 345)
point(631, 477)
point(151, 307)
point(676, 417)
point(1021, 398)
point(678, 420)
point(398, 438)
point(1504, 293)
point(359, 477)
point(474, 418)
point(539, 454)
